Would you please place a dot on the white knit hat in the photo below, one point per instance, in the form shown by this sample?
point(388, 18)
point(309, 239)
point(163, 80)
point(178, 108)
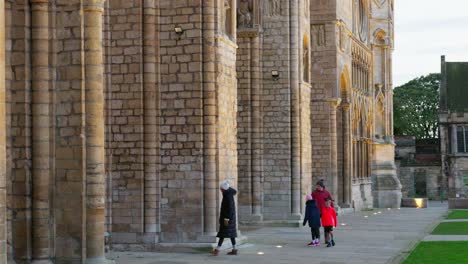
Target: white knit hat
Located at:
point(224, 186)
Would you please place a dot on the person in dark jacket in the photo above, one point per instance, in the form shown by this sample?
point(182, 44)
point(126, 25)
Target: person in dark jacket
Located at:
point(227, 219)
point(312, 215)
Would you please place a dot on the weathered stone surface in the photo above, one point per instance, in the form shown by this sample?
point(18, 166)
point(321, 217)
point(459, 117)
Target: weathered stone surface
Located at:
point(146, 106)
point(458, 203)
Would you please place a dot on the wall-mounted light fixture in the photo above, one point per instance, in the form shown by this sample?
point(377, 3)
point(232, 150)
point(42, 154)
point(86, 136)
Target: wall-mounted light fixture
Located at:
point(275, 74)
point(178, 30)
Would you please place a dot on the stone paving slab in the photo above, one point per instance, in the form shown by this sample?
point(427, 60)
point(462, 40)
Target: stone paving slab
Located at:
point(377, 239)
point(454, 220)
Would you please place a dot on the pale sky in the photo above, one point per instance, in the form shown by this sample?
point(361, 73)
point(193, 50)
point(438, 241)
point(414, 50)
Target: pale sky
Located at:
point(425, 30)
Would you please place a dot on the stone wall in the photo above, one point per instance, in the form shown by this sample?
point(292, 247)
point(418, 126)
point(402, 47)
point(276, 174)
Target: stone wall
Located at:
point(451, 117)
point(125, 117)
point(418, 168)
point(120, 126)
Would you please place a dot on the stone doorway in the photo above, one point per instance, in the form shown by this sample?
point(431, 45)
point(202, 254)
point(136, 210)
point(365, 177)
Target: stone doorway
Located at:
point(420, 184)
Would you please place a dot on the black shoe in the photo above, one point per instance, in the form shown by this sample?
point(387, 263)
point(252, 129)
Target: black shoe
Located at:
point(333, 242)
point(329, 244)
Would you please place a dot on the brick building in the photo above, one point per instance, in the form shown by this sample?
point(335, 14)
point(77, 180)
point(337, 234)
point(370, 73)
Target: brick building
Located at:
point(122, 117)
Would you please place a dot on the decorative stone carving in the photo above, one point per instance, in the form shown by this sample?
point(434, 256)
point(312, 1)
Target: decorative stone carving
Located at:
point(380, 2)
point(306, 8)
point(318, 35)
point(344, 40)
point(224, 16)
point(273, 8)
point(244, 14)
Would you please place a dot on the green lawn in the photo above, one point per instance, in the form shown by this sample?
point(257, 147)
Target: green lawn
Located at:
point(446, 252)
point(451, 228)
point(458, 214)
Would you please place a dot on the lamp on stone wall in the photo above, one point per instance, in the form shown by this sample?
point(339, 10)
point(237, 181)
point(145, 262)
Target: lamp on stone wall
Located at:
point(275, 74)
point(178, 30)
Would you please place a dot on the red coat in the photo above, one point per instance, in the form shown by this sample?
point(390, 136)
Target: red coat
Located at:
point(320, 197)
point(329, 217)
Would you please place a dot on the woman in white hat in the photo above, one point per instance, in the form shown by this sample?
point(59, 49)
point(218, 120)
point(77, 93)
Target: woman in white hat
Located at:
point(227, 219)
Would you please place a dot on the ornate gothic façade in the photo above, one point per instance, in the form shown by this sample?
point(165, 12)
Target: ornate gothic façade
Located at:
point(122, 117)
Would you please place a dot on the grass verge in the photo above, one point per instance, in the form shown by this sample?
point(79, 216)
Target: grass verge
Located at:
point(436, 252)
point(458, 214)
point(451, 228)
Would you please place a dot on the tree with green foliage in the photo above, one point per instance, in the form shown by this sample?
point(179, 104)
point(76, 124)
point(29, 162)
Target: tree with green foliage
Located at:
point(415, 106)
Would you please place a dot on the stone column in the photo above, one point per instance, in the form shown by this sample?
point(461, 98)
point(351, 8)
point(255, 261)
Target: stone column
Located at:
point(295, 110)
point(334, 102)
point(210, 182)
point(257, 146)
point(347, 148)
point(453, 139)
point(40, 131)
point(151, 100)
point(94, 101)
point(3, 214)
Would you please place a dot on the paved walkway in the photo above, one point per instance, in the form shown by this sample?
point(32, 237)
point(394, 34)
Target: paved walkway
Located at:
point(454, 220)
point(446, 238)
point(377, 238)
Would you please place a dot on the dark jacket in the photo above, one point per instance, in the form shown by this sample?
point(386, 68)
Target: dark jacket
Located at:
point(312, 214)
point(228, 210)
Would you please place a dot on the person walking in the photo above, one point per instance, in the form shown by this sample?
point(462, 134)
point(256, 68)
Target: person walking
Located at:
point(320, 194)
point(329, 222)
point(227, 219)
point(312, 215)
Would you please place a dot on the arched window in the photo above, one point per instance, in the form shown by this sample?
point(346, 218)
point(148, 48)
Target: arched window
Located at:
point(305, 59)
point(363, 20)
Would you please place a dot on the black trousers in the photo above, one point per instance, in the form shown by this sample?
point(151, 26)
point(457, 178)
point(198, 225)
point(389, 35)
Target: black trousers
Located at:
point(315, 233)
point(221, 240)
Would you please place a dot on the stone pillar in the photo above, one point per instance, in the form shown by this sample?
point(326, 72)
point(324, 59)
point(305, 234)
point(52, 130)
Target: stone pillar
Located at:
point(257, 146)
point(347, 148)
point(453, 139)
point(3, 214)
point(209, 120)
point(151, 100)
point(295, 110)
point(94, 118)
point(40, 132)
point(334, 102)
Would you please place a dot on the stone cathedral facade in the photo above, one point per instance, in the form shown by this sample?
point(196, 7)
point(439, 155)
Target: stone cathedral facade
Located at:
point(120, 118)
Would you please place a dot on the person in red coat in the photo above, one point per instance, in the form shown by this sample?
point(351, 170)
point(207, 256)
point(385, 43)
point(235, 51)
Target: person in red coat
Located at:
point(321, 194)
point(329, 221)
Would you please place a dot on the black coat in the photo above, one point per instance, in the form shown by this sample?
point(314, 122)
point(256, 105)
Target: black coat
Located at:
point(312, 214)
point(228, 210)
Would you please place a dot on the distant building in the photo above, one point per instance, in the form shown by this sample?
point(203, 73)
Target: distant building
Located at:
point(419, 167)
point(453, 120)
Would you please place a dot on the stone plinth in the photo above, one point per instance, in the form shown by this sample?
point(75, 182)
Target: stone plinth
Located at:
point(386, 187)
point(458, 203)
point(414, 202)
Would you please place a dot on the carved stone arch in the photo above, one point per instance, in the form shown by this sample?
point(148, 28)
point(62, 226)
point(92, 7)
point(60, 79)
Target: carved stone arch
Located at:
point(363, 9)
point(370, 122)
point(345, 85)
point(380, 37)
point(380, 116)
point(306, 58)
point(380, 3)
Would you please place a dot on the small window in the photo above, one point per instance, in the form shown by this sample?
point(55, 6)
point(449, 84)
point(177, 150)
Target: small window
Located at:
point(466, 139)
point(462, 139)
point(465, 178)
